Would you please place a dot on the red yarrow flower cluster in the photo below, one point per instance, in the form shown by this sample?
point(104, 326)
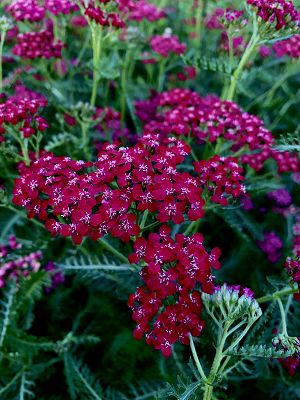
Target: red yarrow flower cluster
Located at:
point(291, 363)
point(289, 47)
point(166, 44)
point(141, 10)
point(219, 16)
point(57, 7)
point(26, 10)
point(279, 12)
point(123, 183)
point(183, 112)
point(103, 18)
point(222, 177)
point(168, 306)
point(41, 44)
point(22, 115)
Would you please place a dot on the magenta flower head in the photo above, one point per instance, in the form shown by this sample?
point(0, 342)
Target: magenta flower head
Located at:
point(166, 44)
point(26, 10)
point(167, 308)
point(289, 47)
point(31, 45)
point(271, 245)
point(281, 13)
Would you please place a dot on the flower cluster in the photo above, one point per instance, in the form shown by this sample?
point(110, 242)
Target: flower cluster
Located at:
point(289, 47)
point(14, 266)
point(166, 44)
point(23, 93)
point(141, 10)
point(233, 290)
point(41, 44)
point(57, 278)
point(26, 10)
point(103, 18)
point(57, 7)
point(220, 17)
point(271, 245)
point(222, 177)
point(281, 197)
point(279, 12)
point(22, 115)
point(293, 268)
point(123, 179)
point(167, 307)
point(183, 112)
point(291, 363)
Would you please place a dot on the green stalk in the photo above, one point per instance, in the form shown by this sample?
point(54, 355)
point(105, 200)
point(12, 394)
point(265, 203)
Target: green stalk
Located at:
point(3, 35)
point(283, 316)
point(196, 358)
point(161, 74)
point(113, 251)
point(85, 139)
point(244, 60)
point(208, 389)
point(124, 77)
point(97, 48)
point(144, 219)
point(276, 295)
point(199, 22)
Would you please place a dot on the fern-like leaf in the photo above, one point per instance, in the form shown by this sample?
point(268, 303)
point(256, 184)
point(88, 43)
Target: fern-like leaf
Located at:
point(289, 142)
point(6, 309)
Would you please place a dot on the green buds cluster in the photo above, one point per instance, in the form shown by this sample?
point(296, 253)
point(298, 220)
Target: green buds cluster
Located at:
point(232, 304)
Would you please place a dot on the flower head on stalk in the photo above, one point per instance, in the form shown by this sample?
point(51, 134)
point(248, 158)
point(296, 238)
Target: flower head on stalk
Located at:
point(280, 13)
point(168, 306)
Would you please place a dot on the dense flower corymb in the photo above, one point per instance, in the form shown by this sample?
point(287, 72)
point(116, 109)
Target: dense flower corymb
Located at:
point(123, 183)
point(41, 44)
point(167, 44)
point(280, 12)
point(22, 114)
point(167, 307)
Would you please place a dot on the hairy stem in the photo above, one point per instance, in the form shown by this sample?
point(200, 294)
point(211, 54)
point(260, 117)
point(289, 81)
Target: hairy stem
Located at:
point(208, 389)
point(279, 294)
point(3, 35)
point(97, 48)
point(244, 60)
point(283, 316)
point(196, 358)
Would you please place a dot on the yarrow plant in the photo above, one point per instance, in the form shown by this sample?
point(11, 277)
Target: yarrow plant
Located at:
point(149, 156)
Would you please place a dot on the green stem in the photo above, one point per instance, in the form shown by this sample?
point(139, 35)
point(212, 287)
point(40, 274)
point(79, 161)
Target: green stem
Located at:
point(3, 35)
point(191, 227)
point(199, 22)
point(97, 48)
point(151, 226)
point(124, 79)
point(208, 389)
point(283, 319)
point(240, 337)
point(161, 74)
point(113, 251)
point(274, 296)
point(24, 148)
point(244, 60)
point(196, 358)
point(85, 139)
point(144, 219)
